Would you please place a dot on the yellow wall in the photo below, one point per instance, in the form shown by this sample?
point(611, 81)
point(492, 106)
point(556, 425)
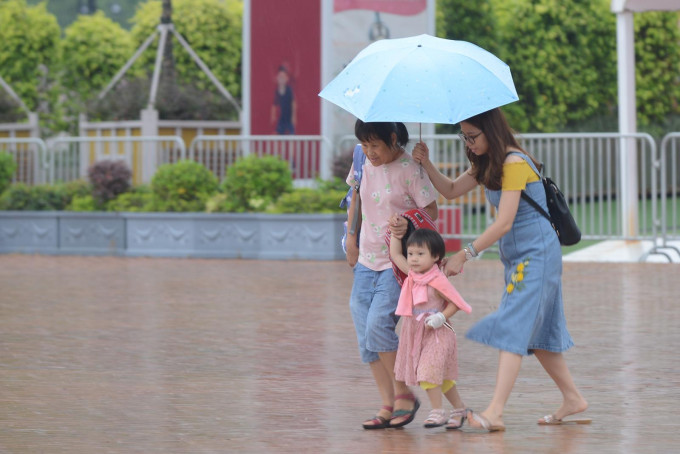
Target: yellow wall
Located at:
point(117, 149)
point(17, 134)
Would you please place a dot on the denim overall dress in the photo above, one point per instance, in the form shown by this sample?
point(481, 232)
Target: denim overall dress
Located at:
point(530, 315)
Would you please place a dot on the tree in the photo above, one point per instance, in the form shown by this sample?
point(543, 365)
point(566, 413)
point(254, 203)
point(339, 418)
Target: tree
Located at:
point(562, 54)
point(468, 21)
point(657, 65)
point(211, 27)
point(29, 49)
point(94, 48)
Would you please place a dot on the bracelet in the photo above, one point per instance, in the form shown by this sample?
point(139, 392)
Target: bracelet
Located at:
point(473, 251)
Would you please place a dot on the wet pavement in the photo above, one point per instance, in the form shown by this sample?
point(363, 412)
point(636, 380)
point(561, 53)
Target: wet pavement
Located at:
point(141, 355)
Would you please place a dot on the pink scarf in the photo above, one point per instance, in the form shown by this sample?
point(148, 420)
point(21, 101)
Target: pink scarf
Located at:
point(414, 291)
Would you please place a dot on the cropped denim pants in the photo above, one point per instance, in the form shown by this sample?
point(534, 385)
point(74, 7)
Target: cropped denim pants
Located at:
point(373, 301)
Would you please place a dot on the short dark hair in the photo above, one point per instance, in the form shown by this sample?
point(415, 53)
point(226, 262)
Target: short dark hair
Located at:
point(365, 131)
point(430, 239)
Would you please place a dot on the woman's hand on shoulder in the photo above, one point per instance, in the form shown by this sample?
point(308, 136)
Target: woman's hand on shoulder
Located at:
point(421, 153)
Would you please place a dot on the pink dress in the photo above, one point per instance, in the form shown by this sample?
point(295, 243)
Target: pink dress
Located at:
point(426, 355)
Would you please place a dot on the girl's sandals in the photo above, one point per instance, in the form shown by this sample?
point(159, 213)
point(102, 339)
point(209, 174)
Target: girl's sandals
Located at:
point(378, 422)
point(404, 417)
point(436, 418)
point(456, 418)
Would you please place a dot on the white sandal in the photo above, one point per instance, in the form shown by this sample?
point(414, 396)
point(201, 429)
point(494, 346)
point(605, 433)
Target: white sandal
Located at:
point(436, 418)
point(456, 418)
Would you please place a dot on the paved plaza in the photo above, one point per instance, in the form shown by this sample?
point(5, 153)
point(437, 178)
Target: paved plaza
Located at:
point(143, 355)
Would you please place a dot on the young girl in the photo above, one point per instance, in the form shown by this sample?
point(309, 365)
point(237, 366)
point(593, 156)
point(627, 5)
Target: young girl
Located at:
point(391, 183)
point(530, 318)
point(427, 345)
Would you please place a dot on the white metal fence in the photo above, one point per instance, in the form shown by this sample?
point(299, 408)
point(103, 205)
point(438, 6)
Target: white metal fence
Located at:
point(309, 157)
point(586, 166)
point(70, 157)
point(30, 154)
point(668, 169)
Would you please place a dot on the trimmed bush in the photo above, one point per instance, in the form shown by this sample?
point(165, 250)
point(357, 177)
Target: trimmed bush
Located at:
point(182, 186)
point(139, 199)
point(22, 197)
point(109, 179)
point(83, 203)
point(74, 188)
point(306, 200)
point(253, 183)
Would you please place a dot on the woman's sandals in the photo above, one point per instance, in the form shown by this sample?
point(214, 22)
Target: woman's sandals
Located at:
point(483, 423)
point(551, 420)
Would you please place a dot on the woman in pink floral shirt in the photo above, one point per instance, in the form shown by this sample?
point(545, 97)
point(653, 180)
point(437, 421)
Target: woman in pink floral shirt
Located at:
point(392, 183)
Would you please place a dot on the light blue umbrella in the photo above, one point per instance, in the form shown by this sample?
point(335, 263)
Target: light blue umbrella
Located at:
point(421, 79)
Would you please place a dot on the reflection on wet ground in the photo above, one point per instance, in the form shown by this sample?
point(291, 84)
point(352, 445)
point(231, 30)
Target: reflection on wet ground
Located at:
point(137, 355)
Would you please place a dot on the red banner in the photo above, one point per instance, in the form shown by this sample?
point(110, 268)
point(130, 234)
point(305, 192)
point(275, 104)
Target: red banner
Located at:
point(285, 66)
point(401, 7)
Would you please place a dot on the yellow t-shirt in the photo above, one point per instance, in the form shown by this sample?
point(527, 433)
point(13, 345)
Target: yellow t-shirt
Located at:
point(516, 175)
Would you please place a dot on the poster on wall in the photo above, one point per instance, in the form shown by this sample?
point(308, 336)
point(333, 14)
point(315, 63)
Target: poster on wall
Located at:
point(285, 67)
point(357, 23)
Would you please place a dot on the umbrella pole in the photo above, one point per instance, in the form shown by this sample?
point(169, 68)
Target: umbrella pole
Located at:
point(420, 133)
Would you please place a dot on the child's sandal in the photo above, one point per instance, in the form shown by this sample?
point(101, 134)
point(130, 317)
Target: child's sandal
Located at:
point(378, 422)
point(456, 418)
point(436, 418)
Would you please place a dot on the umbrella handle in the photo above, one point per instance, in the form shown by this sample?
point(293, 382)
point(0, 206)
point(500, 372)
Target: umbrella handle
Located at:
point(420, 133)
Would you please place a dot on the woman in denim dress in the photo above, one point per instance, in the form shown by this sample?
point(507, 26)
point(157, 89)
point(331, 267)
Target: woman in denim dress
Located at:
point(530, 318)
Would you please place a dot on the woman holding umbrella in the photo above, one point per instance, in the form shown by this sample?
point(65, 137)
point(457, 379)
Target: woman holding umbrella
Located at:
point(530, 318)
point(391, 184)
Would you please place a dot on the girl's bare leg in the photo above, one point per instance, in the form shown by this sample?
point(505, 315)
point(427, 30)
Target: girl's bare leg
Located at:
point(454, 398)
point(435, 396)
point(556, 366)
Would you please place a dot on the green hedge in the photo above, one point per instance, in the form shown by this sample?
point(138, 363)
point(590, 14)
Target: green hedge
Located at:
point(253, 184)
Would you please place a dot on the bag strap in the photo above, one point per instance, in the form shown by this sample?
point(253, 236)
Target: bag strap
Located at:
point(526, 196)
point(530, 162)
point(534, 204)
point(358, 159)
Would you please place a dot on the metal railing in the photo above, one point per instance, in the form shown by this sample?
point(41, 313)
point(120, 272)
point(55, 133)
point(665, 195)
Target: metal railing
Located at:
point(309, 157)
point(70, 157)
point(669, 166)
point(587, 167)
point(30, 154)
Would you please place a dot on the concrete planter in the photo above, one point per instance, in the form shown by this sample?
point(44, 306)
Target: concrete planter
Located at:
point(228, 235)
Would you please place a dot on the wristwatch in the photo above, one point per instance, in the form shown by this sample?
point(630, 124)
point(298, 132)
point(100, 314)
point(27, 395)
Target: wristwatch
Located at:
point(470, 252)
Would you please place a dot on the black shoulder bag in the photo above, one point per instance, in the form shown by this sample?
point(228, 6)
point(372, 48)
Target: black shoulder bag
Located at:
point(559, 215)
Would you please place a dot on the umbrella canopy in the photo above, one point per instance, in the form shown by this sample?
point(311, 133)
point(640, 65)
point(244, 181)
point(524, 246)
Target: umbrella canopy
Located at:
point(421, 79)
